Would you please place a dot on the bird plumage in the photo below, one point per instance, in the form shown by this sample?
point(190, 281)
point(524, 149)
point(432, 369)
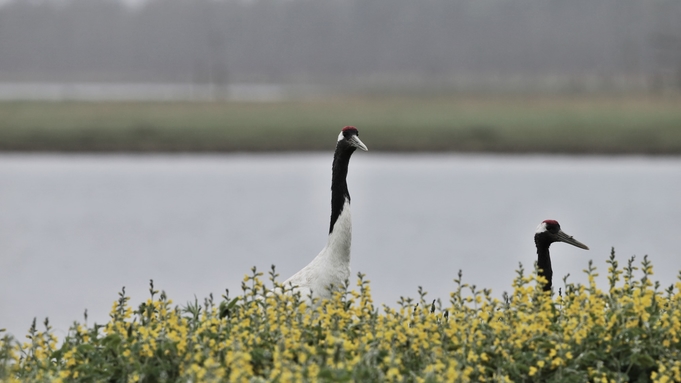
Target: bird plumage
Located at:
point(332, 265)
point(548, 232)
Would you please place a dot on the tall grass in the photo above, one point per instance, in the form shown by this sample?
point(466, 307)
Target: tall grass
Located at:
point(628, 332)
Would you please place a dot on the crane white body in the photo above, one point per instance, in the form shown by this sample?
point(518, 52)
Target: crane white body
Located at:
point(331, 267)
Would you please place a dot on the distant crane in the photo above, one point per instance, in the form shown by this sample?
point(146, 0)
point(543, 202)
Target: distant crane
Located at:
point(547, 233)
point(332, 265)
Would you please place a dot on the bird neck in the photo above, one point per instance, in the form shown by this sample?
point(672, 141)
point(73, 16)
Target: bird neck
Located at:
point(544, 262)
point(339, 186)
point(337, 249)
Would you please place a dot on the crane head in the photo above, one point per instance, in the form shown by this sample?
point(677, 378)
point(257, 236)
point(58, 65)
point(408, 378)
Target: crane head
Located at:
point(549, 231)
point(350, 136)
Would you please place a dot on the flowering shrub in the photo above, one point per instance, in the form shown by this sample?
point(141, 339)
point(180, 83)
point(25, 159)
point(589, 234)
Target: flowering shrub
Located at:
point(628, 333)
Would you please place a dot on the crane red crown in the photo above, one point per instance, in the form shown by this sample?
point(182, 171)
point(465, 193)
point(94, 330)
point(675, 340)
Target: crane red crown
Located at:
point(551, 222)
point(349, 129)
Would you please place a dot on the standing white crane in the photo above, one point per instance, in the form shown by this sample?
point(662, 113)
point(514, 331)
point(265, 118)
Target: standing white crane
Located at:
point(547, 233)
point(332, 265)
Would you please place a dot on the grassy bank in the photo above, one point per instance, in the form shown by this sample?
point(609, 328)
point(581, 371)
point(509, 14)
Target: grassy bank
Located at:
point(629, 331)
point(547, 124)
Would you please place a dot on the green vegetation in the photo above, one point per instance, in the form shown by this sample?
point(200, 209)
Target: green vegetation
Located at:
point(630, 332)
point(548, 124)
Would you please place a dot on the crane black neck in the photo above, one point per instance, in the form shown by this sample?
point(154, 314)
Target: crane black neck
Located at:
point(544, 260)
point(339, 186)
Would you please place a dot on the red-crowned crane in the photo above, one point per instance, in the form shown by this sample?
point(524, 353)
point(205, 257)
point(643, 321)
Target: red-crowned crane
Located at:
point(547, 233)
point(332, 265)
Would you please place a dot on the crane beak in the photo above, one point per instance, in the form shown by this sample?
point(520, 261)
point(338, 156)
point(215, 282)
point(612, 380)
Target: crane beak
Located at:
point(357, 143)
point(562, 237)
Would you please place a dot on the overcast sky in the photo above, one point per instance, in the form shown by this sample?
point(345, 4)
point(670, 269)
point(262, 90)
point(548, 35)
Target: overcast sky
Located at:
point(573, 45)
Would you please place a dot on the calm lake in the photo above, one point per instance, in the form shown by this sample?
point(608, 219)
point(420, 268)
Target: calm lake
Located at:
point(74, 229)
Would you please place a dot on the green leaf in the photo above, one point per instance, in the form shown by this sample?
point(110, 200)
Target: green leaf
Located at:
point(112, 341)
point(86, 348)
point(642, 360)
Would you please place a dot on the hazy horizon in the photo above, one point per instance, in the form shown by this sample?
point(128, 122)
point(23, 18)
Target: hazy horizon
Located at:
point(577, 46)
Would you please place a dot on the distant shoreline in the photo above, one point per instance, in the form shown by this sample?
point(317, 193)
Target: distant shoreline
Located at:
point(556, 124)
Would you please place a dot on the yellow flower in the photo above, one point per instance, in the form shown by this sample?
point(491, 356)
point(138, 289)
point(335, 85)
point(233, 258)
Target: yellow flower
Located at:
point(557, 362)
point(533, 370)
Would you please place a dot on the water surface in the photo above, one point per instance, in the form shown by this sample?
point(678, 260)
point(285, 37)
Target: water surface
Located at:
point(75, 229)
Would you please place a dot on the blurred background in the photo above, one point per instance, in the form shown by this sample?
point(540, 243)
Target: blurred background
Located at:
point(187, 140)
point(240, 75)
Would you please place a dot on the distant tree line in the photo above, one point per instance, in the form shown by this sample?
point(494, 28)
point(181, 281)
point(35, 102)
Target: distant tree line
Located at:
point(222, 41)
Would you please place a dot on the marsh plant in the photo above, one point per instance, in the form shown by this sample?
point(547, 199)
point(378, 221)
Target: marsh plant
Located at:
point(628, 332)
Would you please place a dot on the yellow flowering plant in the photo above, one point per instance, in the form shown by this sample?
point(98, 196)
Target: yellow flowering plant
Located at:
point(629, 332)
